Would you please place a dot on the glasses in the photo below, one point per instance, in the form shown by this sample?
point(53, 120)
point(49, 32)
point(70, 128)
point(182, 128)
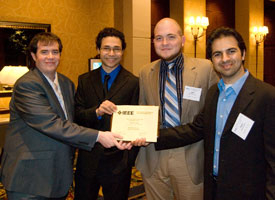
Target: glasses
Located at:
point(109, 49)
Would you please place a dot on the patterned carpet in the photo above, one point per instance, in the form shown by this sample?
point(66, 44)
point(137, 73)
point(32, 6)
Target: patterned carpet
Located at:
point(136, 189)
point(2, 192)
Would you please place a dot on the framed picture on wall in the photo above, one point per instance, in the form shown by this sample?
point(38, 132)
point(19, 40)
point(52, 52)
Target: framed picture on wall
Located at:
point(14, 56)
point(14, 40)
point(94, 63)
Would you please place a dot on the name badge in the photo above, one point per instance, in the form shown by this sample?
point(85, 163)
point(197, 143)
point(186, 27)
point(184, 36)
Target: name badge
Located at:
point(192, 93)
point(242, 126)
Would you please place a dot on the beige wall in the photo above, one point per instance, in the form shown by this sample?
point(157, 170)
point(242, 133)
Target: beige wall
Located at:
point(250, 13)
point(256, 18)
point(137, 30)
point(193, 8)
point(182, 10)
point(76, 22)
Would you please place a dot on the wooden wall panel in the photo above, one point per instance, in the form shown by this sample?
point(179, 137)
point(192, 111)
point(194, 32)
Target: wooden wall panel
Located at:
point(220, 13)
point(269, 43)
point(159, 10)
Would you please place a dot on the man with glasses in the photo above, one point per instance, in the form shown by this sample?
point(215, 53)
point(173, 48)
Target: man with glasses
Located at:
point(98, 93)
point(38, 154)
point(178, 85)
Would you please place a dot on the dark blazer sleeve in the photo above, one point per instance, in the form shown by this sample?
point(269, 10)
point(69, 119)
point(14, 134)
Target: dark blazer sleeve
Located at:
point(181, 135)
point(135, 94)
point(269, 143)
point(85, 114)
point(192, 132)
point(134, 101)
point(36, 104)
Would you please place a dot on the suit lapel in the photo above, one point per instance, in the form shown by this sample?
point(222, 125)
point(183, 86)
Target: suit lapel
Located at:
point(244, 98)
point(188, 79)
point(66, 98)
point(50, 92)
point(96, 83)
point(119, 82)
point(212, 104)
point(154, 83)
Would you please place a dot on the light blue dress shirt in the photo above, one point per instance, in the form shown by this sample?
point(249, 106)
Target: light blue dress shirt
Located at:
point(227, 97)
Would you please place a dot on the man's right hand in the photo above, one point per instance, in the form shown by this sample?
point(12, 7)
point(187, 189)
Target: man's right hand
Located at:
point(106, 107)
point(140, 142)
point(109, 139)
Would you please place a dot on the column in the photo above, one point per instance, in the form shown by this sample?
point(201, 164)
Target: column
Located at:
point(250, 13)
point(193, 8)
point(135, 18)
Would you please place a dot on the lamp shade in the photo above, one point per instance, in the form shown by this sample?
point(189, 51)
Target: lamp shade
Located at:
point(9, 74)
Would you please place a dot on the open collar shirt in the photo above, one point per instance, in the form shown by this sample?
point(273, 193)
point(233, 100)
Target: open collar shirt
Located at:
point(227, 97)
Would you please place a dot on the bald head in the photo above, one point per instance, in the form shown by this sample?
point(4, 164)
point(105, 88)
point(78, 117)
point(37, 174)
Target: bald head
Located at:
point(168, 39)
point(168, 23)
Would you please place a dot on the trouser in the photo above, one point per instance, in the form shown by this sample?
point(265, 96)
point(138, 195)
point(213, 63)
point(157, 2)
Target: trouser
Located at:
point(214, 189)
point(114, 186)
point(171, 179)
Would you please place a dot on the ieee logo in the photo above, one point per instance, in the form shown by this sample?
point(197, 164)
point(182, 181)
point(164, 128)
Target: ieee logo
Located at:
point(125, 112)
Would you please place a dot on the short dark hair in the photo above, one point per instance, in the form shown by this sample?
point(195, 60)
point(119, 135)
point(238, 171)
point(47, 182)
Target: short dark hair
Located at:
point(110, 32)
point(224, 32)
point(44, 37)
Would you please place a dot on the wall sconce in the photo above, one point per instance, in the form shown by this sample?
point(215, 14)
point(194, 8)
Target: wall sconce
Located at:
point(198, 28)
point(9, 75)
point(259, 33)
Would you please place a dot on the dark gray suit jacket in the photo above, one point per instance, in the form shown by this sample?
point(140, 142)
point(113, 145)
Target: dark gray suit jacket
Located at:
point(89, 95)
point(246, 167)
point(38, 155)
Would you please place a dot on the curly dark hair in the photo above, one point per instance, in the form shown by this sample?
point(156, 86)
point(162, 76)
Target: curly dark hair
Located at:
point(110, 32)
point(224, 32)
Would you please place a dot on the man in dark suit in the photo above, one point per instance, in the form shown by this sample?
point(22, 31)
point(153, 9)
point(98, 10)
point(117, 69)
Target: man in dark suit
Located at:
point(38, 156)
point(109, 168)
point(237, 124)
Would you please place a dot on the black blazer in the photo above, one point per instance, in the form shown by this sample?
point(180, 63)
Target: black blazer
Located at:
point(89, 95)
point(246, 167)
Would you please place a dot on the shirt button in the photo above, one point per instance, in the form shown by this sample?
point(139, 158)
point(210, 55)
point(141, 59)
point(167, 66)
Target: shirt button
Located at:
point(217, 150)
point(214, 166)
point(224, 99)
point(219, 133)
point(221, 116)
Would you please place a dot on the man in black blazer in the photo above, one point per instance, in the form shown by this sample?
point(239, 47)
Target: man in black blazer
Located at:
point(237, 124)
point(109, 168)
point(38, 156)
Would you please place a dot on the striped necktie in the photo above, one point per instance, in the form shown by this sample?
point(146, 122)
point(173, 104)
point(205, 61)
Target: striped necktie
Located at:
point(171, 106)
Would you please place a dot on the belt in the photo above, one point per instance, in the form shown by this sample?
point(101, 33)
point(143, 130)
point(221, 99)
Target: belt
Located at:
point(215, 178)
